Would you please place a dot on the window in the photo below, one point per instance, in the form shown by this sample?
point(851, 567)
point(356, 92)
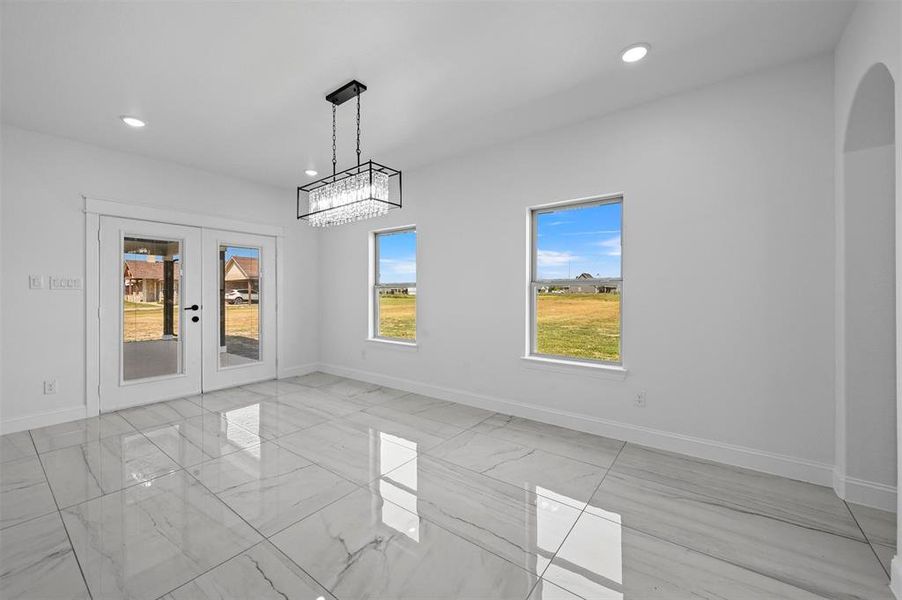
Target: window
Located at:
point(239, 305)
point(576, 284)
point(395, 285)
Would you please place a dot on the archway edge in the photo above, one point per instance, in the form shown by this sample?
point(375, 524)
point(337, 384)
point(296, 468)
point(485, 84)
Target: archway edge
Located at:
point(870, 118)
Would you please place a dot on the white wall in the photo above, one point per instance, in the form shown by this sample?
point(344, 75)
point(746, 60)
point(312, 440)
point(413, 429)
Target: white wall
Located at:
point(870, 340)
point(728, 276)
point(872, 37)
point(44, 178)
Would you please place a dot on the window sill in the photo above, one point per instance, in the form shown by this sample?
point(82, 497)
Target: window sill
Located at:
point(616, 372)
point(397, 343)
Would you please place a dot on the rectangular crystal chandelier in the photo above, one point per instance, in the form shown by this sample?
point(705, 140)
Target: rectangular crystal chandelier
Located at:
point(358, 193)
point(355, 194)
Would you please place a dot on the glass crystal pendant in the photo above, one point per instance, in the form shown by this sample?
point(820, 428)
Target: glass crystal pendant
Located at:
point(350, 199)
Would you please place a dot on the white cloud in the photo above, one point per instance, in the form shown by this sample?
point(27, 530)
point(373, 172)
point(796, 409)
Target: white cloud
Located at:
point(612, 245)
point(397, 266)
point(552, 258)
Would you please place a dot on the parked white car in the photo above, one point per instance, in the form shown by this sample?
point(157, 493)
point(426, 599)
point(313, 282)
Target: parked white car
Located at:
point(240, 296)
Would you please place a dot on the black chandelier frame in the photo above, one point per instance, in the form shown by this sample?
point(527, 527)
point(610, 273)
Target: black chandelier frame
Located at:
point(368, 167)
point(350, 90)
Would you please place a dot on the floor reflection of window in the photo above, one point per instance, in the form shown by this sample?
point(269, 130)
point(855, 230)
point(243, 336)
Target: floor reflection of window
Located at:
point(132, 462)
point(399, 486)
point(547, 526)
point(239, 423)
point(590, 562)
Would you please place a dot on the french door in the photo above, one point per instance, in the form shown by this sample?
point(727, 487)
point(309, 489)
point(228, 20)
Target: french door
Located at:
point(182, 310)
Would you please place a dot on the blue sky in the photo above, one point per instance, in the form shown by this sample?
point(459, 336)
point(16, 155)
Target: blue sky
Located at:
point(397, 257)
point(579, 240)
point(235, 251)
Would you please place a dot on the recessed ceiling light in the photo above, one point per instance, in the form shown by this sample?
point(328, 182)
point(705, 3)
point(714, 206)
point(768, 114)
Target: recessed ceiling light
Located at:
point(310, 173)
point(635, 53)
point(132, 121)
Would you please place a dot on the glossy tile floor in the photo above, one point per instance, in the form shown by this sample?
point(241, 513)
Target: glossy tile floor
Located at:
point(323, 487)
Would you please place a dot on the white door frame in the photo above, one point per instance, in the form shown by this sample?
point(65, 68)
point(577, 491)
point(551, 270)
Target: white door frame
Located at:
point(94, 209)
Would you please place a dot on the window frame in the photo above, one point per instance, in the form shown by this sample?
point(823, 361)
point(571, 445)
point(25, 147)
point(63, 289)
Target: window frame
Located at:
point(375, 286)
point(533, 282)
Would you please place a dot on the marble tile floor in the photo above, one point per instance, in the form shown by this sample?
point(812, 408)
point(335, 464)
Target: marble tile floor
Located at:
point(320, 487)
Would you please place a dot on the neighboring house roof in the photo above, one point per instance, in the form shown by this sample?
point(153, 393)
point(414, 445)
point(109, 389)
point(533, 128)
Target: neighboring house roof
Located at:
point(246, 264)
point(141, 269)
point(585, 276)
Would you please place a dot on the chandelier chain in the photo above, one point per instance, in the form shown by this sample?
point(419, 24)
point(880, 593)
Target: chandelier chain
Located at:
point(356, 193)
point(358, 129)
point(334, 160)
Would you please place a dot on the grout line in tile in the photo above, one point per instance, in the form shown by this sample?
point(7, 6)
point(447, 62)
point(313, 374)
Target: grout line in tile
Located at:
point(430, 454)
point(289, 559)
point(452, 533)
point(721, 500)
point(59, 515)
point(490, 551)
point(558, 454)
point(203, 410)
point(366, 487)
point(234, 512)
point(866, 538)
point(258, 532)
point(572, 527)
point(424, 453)
point(211, 568)
point(312, 463)
point(705, 553)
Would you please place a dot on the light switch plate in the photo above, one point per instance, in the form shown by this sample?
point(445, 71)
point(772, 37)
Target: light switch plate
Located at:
point(35, 282)
point(65, 283)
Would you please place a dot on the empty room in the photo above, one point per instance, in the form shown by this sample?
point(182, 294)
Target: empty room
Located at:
point(428, 300)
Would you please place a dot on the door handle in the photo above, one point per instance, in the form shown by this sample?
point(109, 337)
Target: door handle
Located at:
point(192, 307)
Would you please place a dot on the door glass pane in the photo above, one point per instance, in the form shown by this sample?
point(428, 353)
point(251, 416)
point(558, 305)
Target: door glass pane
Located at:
point(151, 325)
point(239, 307)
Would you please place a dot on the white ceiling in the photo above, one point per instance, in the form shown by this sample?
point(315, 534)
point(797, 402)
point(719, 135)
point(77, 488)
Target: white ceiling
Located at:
point(238, 87)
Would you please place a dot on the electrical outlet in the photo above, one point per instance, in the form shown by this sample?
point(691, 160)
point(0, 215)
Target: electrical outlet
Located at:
point(640, 400)
point(35, 282)
point(50, 386)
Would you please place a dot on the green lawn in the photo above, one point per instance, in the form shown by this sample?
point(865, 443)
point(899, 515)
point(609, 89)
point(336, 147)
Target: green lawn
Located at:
point(579, 325)
point(575, 325)
point(144, 320)
point(398, 316)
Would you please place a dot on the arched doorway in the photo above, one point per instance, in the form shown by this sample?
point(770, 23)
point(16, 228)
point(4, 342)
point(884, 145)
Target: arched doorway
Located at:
point(866, 300)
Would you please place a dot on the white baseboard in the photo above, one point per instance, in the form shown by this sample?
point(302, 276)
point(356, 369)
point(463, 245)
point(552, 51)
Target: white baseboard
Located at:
point(79, 412)
point(731, 454)
point(868, 493)
point(839, 482)
point(42, 419)
point(298, 370)
point(895, 580)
